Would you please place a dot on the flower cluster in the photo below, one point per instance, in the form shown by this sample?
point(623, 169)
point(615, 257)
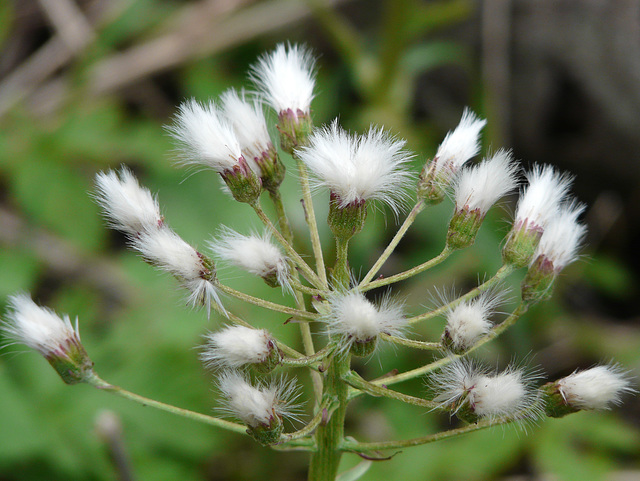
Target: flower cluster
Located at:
point(230, 135)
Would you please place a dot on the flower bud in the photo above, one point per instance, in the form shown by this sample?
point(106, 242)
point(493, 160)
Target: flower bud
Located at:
point(595, 388)
point(244, 185)
point(455, 150)
point(239, 346)
point(473, 393)
point(539, 203)
point(558, 247)
point(348, 220)
point(285, 77)
point(260, 407)
point(358, 322)
point(53, 337)
point(476, 189)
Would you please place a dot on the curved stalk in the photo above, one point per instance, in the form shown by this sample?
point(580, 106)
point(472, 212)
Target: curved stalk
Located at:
point(267, 304)
point(427, 346)
point(310, 216)
point(393, 244)
point(354, 380)
point(446, 252)
point(312, 359)
point(502, 273)
point(299, 261)
point(99, 383)
point(357, 447)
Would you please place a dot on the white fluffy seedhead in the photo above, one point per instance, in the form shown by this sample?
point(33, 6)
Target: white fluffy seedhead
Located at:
point(127, 206)
point(562, 237)
point(463, 385)
point(257, 405)
point(39, 328)
point(205, 136)
point(249, 124)
point(166, 250)
point(597, 388)
point(237, 346)
point(285, 78)
point(255, 254)
point(541, 199)
point(460, 145)
point(356, 319)
point(359, 167)
point(478, 188)
point(469, 321)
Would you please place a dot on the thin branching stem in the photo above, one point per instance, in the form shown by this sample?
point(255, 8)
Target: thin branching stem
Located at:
point(312, 359)
point(324, 412)
point(99, 383)
point(358, 447)
point(499, 276)
point(401, 341)
point(299, 261)
point(393, 244)
point(310, 216)
point(267, 304)
point(354, 380)
point(446, 252)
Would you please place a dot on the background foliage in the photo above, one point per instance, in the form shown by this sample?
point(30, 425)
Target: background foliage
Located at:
point(87, 86)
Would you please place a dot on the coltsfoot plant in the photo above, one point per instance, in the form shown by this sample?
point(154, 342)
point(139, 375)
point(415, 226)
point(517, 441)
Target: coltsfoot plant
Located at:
point(231, 136)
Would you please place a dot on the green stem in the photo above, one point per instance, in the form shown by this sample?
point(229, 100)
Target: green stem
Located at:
point(341, 274)
point(357, 382)
point(446, 252)
point(310, 216)
point(267, 304)
point(312, 359)
point(299, 261)
point(325, 410)
point(501, 274)
point(305, 329)
point(329, 436)
point(98, 383)
point(394, 243)
point(427, 346)
point(365, 447)
point(283, 221)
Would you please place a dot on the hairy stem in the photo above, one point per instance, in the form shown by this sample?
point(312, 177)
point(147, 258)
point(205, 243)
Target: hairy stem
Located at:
point(299, 261)
point(267, 304)
point(446, 252)
point(357, 382)
point(501, 274)
point(98, 383)
point(310, 216)
point(330, 435)
point(394, 243)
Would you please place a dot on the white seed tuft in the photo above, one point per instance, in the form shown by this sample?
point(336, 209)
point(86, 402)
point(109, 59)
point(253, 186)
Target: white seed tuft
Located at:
point(469, 321)
point(459, 145)
point(359, 167)
point(205, 136)
point(489, 395)
point(40, 328)
point(285, 77)
point(237, 346)
point(255, 254)
point(249, 124)
point(357, 319)
point(257, 405)
point(541, 199)
point(127, 206)
point(478, 188)
point(597, 388)
point(562, 237)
